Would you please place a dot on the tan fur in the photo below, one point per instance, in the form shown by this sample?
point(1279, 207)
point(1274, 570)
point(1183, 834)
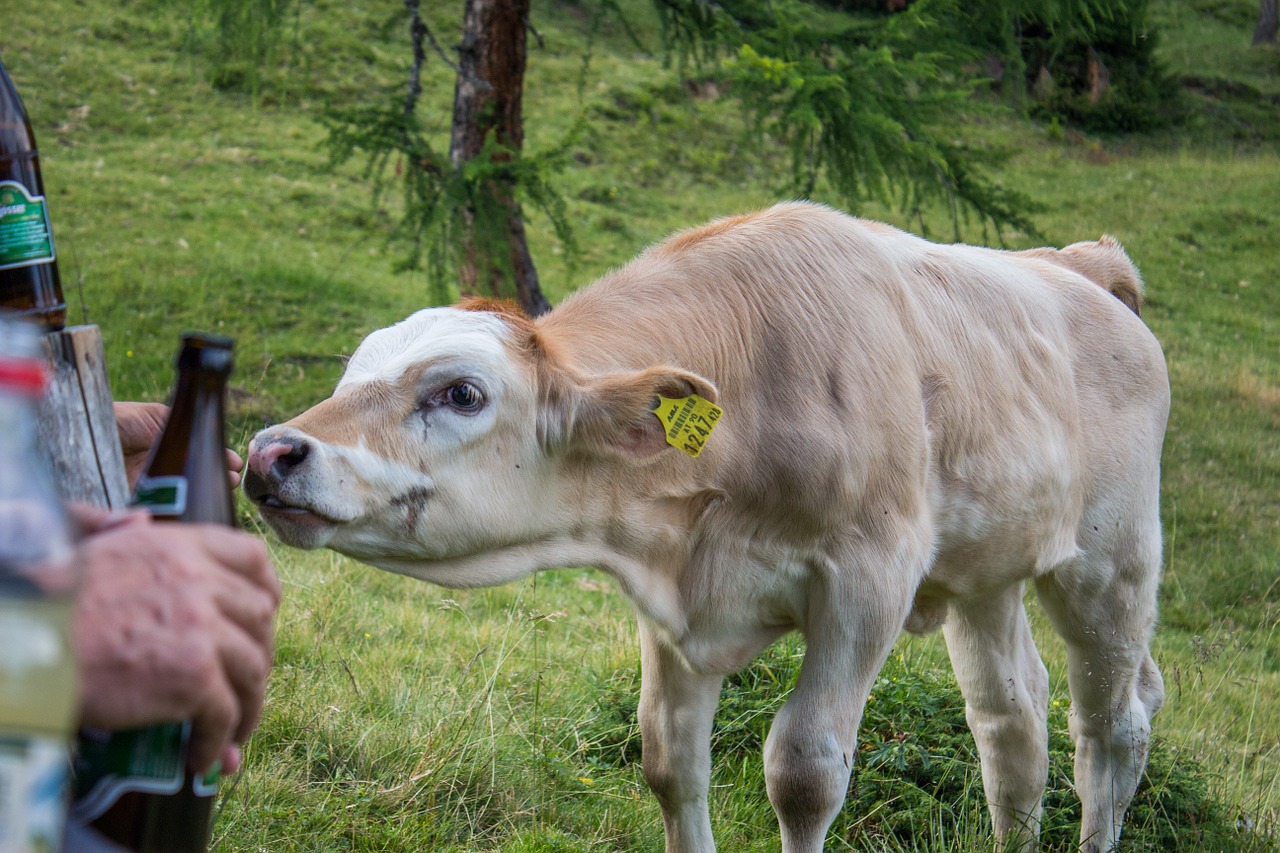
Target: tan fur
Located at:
point(1105, 263)
point(690, 239)
point(912, 434)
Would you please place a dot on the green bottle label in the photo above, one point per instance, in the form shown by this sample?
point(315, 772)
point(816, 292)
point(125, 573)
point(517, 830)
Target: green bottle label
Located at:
point(149, 760)
point(207, 785)
point(162, 495)
point(25, 236)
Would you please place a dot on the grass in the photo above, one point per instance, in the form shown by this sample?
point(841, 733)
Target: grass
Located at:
point(406, 717)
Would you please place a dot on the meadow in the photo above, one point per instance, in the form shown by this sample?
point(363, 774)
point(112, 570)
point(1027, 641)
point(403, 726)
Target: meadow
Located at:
point(190, 190)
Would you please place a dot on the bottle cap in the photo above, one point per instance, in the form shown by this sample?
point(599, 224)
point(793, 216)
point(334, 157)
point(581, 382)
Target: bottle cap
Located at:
point(210, 352)
point(22, 369)
point(206, 340)
point(27, 376)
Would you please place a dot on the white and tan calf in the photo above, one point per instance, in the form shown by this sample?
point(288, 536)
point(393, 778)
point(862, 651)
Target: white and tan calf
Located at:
point(911, 434)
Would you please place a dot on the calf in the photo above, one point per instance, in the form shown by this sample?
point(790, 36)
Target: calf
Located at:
point(903, 434)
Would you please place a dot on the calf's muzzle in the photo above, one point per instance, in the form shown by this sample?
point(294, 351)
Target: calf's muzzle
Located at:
point(272, 458)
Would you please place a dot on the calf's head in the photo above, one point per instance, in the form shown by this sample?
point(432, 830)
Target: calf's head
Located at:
point(456, 433)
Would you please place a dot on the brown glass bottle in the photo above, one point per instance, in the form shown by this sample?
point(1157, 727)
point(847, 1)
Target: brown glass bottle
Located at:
point(29, 282)
point(185, 480)
point(193, 444)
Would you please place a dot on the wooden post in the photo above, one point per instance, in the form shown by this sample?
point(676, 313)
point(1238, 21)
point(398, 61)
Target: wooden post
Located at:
point(77, 430)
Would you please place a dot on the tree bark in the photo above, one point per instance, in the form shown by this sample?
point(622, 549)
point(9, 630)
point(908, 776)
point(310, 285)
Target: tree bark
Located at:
point(487, 103)
point(1267, 23)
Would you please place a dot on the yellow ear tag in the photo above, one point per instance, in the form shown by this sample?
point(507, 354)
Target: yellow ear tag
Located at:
point(688, 421)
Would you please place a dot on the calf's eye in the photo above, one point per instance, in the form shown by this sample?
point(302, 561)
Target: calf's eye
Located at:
point(465, 397)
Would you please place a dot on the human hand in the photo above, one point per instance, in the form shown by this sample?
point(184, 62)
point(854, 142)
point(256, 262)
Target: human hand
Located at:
point(174, 622)
point(139, 425)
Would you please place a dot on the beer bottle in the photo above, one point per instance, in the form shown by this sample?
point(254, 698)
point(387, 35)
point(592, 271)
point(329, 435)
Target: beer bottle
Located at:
point(38, 581)
point(135, 787)
point(29, 283)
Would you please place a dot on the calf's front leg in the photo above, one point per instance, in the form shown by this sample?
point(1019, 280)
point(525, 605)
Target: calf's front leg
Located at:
point(811, 745)
point(677, 708)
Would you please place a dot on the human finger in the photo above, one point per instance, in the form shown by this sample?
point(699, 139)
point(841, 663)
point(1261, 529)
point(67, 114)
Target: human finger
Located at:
point(246, 604)
point(213, 724)
point(247, 663)
point(231, 759)
point(241, 553)
point(139, 424)
point(230, 697)
point(234, 466)
point(239, 581)
point(89, 519)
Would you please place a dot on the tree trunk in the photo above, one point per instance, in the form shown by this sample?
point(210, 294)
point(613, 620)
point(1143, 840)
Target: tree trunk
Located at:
point(487, 103)
point(1267, 23)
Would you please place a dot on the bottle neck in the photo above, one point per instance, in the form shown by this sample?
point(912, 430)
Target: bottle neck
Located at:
point(190, 455)
point(17, 136)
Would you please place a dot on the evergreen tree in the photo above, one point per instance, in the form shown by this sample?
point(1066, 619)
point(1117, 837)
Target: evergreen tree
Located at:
point(463, 213)
point(864, 95)
point(869, 103)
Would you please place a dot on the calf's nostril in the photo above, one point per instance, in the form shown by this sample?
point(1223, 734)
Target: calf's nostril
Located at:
point(291, 455)
point(275, 458)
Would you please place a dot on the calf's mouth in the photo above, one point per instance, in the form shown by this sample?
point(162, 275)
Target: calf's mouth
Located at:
point(265, 494)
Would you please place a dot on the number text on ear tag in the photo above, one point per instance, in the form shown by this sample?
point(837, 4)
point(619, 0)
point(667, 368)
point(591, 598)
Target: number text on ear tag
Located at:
point(688, 421)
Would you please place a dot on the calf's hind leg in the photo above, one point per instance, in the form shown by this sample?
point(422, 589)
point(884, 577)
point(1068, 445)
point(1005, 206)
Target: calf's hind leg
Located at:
point(1116, 688)
point(1006, 692)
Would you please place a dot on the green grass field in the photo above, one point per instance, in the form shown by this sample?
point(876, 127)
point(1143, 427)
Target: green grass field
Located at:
point(404, 717)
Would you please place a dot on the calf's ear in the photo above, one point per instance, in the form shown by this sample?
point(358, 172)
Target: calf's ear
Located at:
point(613, 413)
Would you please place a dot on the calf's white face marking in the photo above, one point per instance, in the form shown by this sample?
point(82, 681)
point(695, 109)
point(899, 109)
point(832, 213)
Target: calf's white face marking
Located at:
point(432, 334)
point(426, 449)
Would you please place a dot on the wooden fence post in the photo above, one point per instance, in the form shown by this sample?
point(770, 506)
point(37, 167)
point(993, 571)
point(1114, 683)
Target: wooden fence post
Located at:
point(77, 429)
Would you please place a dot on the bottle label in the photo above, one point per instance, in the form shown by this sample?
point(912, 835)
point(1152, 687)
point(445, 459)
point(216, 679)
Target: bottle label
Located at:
point(150, 760)
point(206, 785)
point(162, 495)
point(25, 236)
point(33, 779)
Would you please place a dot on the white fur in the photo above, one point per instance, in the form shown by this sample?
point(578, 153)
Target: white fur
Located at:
point(387, 353)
